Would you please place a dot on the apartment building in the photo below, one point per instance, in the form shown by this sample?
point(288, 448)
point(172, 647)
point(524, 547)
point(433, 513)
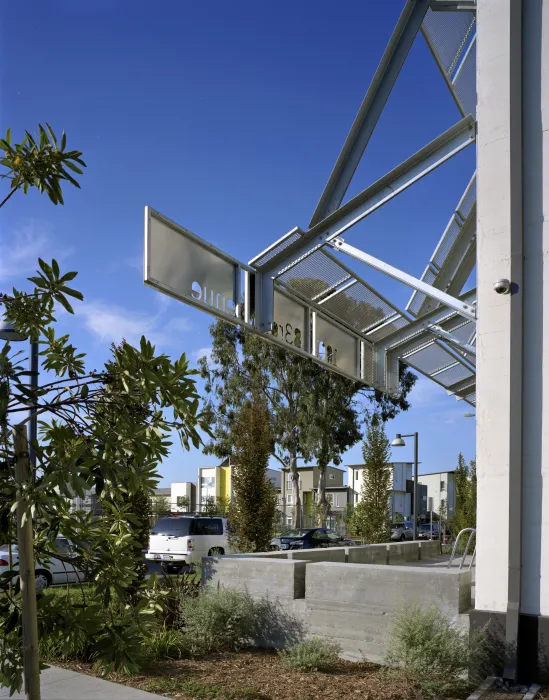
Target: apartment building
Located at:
point(402, 493)
point(215, 484)
point(441, 488)
point(337, 494)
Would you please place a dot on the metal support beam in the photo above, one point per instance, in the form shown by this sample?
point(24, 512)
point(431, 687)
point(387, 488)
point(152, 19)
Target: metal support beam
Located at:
point(449, 338)
point(462, 387)
point(466, 310)
point(453, 5)
point(371, 108)
point(420, 164)
point(438, 316)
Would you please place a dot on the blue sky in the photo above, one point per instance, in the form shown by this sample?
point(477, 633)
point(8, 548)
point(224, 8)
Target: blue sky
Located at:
point(228, 118)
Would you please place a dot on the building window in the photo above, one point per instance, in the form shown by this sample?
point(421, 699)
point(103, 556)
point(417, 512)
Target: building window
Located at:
point(356, 474)
point(332, 476)
point(330, 498)
point(314, 496)
point(443, 486)
point(356, 497)
point(207, 482)
point(289, 499)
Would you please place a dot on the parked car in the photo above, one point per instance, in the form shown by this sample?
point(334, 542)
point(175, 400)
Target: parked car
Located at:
point(276, 541)
point(179, 540)
point(311, 539)
point(402, 531)
point(424, 531)
point(49, 572)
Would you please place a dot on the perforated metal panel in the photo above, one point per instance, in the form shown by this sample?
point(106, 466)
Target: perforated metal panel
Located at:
point(465, 82)
point(358, 306)
point(380, 332)
point(430, 358)
point(469, 198)
point(284, 242)
point(454, 374)
point(313, 275)
point(448, 33)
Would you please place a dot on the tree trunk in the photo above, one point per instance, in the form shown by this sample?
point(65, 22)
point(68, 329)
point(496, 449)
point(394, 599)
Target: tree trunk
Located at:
point(323, 505)
point(297, 515)
point(31, 666)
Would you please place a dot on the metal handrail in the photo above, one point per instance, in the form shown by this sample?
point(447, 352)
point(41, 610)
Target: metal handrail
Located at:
point(472, 530)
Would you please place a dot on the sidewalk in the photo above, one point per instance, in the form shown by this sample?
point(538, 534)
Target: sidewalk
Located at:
point(61, 684)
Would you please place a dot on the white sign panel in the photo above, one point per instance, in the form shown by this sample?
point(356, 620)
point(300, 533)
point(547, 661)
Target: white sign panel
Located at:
point(336, 346)
point(181, 264)
point(290, 321)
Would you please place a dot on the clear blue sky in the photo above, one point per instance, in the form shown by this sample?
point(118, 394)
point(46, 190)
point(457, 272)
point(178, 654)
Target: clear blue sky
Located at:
point(226, 117)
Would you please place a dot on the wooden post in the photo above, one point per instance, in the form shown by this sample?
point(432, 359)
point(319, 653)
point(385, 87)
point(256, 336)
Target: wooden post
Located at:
point(31, 666)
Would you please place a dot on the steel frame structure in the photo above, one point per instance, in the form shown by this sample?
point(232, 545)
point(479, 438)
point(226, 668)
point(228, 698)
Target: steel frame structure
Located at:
point(436, 333)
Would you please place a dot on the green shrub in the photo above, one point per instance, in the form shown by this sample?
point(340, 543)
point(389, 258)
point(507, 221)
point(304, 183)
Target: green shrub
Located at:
point(218, 620)
point(312, 655)
point(166, 643)
point(433, 653)
point(225, 619)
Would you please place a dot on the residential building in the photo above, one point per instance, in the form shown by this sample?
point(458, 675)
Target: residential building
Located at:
point(183, 497)
point(215, 484)
point(337, 493)
point(441, 488)
point(402, 494)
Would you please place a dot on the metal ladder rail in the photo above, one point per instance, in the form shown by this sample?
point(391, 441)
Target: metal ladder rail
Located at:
point(472, 530)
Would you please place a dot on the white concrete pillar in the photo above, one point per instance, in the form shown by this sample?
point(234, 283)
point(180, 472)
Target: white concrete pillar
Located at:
point(513, 330)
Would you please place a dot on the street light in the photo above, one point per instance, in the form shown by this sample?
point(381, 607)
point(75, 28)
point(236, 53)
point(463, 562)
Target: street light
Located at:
point(399, 442)
point(9, 334)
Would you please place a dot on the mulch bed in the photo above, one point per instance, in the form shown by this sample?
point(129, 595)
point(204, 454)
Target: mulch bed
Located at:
point(259, 675)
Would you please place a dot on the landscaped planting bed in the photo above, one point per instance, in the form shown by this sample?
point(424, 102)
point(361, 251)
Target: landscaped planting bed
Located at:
point(260, 675)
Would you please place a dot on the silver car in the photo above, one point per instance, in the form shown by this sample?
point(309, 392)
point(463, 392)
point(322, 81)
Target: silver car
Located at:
point(402, 531)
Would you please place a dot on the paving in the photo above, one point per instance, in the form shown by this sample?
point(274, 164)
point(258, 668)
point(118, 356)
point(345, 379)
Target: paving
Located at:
point(62, 684)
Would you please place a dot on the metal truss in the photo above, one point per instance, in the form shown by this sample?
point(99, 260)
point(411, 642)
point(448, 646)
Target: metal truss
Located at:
point(435, 334)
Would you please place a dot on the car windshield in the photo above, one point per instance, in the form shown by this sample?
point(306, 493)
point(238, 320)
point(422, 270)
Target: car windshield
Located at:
point(172, 527)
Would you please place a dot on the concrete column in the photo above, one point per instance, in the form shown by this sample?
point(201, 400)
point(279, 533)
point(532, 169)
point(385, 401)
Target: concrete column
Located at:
point(512, 584)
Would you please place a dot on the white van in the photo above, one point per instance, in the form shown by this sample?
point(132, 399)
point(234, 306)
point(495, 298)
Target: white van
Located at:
point(180, 540)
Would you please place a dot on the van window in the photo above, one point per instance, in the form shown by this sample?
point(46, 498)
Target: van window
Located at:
point(207, 526)
point(172, 527)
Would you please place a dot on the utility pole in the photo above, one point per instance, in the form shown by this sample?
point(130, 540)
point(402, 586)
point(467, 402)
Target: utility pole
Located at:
point(23, 479)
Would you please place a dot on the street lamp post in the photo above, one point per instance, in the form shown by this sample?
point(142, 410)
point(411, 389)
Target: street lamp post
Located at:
point(399, 442)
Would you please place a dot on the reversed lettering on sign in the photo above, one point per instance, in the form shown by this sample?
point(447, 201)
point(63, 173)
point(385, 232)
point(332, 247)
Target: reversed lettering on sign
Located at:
point(286, 332)
point(212, 298)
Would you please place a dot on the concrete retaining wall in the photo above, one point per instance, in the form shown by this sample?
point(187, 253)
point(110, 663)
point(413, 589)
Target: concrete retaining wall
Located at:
point(429, 549)
point(402, 551)
point(261, 576)
point(350, 603)
point(360, 615)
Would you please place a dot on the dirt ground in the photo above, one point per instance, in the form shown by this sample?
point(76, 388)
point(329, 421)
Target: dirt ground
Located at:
point(259, 675)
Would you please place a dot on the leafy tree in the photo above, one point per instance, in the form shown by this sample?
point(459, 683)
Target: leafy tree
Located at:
point(371, 516)
point(398, 517)
point(160, 505)
point(241, 361)
point(253, 507)
point(104, 430)
point(209, 507)
point(184, 502)
point(465, 485)
point(329, 426)
point(40, 163)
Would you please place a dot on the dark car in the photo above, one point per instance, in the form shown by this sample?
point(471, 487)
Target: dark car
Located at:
point(311, 539)
point(424, 531)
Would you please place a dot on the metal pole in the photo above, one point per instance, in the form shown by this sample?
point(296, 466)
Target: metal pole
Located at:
point(23, 478)
point(33, 423)
point(415, 514)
